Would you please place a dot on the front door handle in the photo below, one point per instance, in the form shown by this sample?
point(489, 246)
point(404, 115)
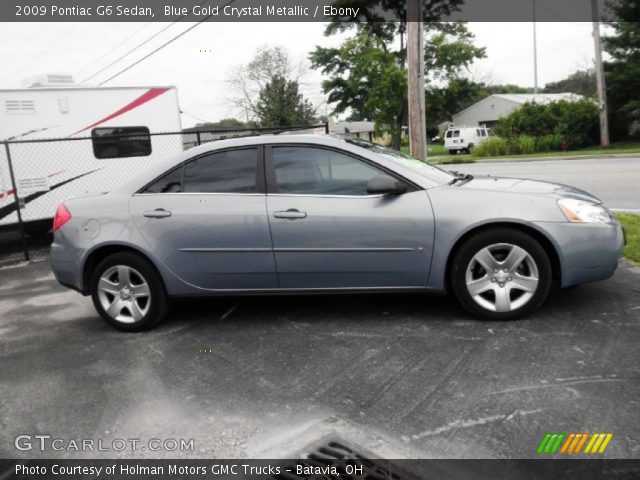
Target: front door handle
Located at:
point(157, 213)
point(291, 214)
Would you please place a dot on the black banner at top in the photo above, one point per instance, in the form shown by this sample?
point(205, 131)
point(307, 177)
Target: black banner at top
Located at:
point(304, 10)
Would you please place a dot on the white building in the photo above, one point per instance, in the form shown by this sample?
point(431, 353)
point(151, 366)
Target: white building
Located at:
point(488, 110)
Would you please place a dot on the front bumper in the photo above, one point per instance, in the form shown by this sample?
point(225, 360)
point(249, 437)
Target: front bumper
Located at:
point(588, 252)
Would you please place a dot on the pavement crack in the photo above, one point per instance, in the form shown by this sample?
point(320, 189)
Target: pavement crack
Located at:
point(470, 423)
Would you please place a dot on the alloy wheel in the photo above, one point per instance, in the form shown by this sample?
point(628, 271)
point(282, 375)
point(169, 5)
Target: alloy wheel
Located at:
point(502, 277)
point(124, 294)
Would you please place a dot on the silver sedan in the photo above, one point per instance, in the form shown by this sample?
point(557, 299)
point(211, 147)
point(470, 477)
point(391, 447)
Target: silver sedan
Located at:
point(301, 213)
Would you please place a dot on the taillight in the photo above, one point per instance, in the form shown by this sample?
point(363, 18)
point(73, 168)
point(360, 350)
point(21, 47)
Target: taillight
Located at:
point(62, 216)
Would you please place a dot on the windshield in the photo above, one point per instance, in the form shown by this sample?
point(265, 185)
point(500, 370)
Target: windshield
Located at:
point(427, 170)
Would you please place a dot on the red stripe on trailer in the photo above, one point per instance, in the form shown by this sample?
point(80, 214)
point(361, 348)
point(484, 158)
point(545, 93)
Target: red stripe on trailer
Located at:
point(141, 100)
point(7, 193)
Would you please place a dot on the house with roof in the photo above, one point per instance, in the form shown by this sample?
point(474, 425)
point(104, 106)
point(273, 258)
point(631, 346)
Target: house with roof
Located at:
point(488, 111)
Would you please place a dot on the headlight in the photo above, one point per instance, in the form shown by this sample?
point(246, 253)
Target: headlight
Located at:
point(583, 211)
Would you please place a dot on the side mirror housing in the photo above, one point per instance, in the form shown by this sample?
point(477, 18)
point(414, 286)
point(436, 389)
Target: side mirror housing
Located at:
point(385, 185)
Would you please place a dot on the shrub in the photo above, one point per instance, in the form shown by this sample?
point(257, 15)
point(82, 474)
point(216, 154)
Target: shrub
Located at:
point(575, 122)
point(492, 147)
point(523, 144)
point(548, 143)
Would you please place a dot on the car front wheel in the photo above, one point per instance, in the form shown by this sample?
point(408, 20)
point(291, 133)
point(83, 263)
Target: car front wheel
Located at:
point(501, 274)
point(128, 292)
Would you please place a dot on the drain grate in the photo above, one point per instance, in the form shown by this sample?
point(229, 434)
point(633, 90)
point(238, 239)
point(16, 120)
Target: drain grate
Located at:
point(322, 459)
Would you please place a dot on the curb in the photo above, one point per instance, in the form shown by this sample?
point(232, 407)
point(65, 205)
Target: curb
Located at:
point(609, 156)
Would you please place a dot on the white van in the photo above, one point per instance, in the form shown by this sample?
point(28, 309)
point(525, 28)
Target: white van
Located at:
point(464, 139)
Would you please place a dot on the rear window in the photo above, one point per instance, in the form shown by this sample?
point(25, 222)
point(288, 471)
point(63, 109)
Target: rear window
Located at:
point(456, 133)
point(121, 142)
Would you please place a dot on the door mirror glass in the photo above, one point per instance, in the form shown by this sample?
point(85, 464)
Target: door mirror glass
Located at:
point(385, 185)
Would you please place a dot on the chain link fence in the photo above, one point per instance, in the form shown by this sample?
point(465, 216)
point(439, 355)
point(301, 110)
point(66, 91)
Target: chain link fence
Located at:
point(36, 175)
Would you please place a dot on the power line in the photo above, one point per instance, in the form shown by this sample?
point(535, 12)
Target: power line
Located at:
point(96, 60)
point(162, 46)
point(129, 52)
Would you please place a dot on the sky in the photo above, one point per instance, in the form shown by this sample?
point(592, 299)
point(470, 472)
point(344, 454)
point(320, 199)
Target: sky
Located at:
point(199, 62)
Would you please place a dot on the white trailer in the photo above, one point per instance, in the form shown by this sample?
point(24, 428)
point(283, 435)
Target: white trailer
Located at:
point(105, 134)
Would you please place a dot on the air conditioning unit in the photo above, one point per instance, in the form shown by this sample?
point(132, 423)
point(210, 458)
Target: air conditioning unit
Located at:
point(49, 80)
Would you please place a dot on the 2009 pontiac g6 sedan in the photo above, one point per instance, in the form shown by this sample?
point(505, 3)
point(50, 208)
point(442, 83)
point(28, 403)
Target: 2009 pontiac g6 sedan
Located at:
point(303, 213)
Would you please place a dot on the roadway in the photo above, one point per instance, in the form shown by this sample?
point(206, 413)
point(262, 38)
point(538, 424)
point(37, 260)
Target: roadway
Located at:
point(616, 181)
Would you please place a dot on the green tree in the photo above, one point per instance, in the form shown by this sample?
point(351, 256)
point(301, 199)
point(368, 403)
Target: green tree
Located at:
point(582, 82)
point(280, 104)
point(623, 70)
point(245, 82)
point(355, 69)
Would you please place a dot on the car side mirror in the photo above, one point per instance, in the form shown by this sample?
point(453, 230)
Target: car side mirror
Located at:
point(385, 185)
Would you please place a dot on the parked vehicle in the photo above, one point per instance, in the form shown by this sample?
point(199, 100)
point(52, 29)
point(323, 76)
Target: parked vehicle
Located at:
point(305, 213)
point(464, 139)
point(117, 121)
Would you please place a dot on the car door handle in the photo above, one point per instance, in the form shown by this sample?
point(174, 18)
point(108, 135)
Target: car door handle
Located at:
point(157, 213)
point(292, 213)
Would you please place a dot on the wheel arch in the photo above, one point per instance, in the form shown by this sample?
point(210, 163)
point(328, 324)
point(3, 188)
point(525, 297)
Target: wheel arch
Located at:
point(542, 238)
point(103, 251)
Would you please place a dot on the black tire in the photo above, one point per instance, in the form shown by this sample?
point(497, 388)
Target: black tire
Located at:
point(469, 149)
point(452, 152)
point(140, 271)
point(493, 238)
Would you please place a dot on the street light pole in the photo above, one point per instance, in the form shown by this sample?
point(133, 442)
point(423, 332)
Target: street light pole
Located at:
point(415, 66)
point(602, 89)
point(535, 54)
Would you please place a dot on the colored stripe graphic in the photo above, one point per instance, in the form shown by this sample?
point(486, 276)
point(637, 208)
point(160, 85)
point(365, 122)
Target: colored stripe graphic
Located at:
point(142, 99)
point(551, 442)
point(573, 443)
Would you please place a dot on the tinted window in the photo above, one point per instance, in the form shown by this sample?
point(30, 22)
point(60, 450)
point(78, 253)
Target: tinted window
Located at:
point(233, 171)
point(118, 142)
point(449, 133)
point(456, 133)
point(169, 183)
point(317, 171)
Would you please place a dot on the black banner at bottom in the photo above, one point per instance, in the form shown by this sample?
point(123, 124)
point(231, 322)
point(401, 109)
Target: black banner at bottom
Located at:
point(318, 468)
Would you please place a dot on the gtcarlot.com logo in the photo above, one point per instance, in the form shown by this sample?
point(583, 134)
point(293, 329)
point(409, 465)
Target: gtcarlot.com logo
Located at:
point(574, 443)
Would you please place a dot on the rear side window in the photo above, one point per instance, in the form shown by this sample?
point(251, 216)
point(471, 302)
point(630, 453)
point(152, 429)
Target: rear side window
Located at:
point(456, 133)
point(121, 142)
point(169, 183)
point(233, 171)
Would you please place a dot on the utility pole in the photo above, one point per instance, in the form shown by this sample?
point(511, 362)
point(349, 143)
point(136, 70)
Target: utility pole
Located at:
point(602, 89)
point(415, 66)
point(535, 54)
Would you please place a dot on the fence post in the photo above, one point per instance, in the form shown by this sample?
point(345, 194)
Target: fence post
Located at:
point(326, 127)
point(17, 201)
point(198, 136)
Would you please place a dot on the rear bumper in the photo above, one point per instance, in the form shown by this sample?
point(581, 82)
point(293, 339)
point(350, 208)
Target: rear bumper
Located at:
point(588, 252)
point(66, 260)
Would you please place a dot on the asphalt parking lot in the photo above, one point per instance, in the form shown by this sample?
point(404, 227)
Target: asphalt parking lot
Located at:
point(244, 377)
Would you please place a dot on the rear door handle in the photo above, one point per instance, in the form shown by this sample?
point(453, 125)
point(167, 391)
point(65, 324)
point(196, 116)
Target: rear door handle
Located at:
point(292, 213)
point(157, 213)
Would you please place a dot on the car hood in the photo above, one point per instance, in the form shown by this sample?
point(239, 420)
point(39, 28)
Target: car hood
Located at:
point(521, 185)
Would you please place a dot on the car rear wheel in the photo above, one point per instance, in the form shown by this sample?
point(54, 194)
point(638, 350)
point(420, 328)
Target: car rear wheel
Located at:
point(128, 292)
point(501, 274)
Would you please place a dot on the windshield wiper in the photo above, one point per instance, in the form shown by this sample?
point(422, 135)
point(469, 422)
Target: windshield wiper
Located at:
point(460, 177)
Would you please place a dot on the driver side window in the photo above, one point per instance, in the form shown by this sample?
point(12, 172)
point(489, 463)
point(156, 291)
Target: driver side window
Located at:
point(318, 171)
